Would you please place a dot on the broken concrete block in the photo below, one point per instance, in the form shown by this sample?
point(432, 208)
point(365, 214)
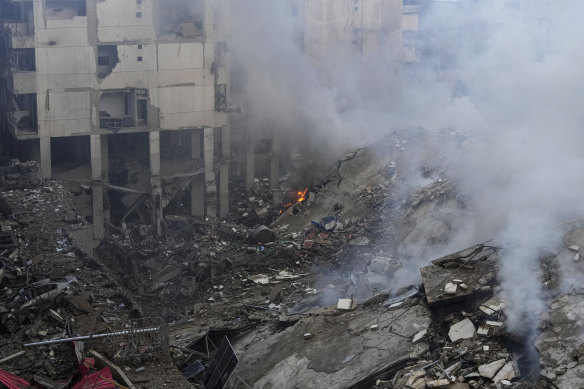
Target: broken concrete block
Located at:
point(457, 281)
point(494, 323)
point(574, 248)
point(419, 383)
point(463, 268)
point(260, 279)
point(491, 369)
point(462, 330)
point(307, 336)
point(450, 288)
point(495, 303)
point(414, 377)
point(346, 304)
point(419, 336)
point(374, 327)
point(487, 311)
point(507, 372)
point(438, 383)
point(576, 257)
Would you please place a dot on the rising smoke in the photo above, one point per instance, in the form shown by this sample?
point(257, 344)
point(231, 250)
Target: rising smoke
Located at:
point(513, 88)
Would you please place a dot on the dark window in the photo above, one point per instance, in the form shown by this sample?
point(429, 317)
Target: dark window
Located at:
point(24, 60)
point(139, 47)
point(103, 61)
point(139, 59)
point(142, 111)
point(139, 15)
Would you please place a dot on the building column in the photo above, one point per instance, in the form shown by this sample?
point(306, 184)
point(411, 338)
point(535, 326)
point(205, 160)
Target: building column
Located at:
point(224, 171)
point(97, 186)
point(105, 171)
point(198, 181)
point(45, 151)
point(155, 181)
point(275, 168)
point(249, 161)
point(210, 185)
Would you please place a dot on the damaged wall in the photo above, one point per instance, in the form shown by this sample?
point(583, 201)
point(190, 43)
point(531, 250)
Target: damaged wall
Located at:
point(69, 73)
point(368, 26)
point(125, 21)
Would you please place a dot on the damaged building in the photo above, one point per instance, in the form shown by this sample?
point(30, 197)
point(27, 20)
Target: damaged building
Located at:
point(289, 194)
point(131, 97)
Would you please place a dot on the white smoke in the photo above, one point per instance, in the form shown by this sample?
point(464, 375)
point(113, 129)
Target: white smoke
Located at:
point(514, 89)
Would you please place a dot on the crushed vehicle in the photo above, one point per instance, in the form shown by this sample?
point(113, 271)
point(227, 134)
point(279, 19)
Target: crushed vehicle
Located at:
point(35, 298)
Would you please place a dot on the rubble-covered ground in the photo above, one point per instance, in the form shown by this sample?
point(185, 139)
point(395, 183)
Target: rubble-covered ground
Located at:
point(345, 283)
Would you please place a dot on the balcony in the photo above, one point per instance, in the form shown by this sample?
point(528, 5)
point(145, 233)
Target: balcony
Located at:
point(22, 35)
point(23, 120)
point(123, 109)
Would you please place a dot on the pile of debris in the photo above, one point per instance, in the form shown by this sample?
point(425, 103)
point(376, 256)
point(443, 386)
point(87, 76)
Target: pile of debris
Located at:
point(21, 175)
point(59, 310)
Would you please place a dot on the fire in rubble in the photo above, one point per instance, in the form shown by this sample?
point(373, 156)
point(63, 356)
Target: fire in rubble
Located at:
point(299, 197)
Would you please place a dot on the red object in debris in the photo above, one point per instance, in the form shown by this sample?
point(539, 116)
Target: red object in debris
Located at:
point(86, 365)
point(13, 382)
point(100, 380)
point(308, 244)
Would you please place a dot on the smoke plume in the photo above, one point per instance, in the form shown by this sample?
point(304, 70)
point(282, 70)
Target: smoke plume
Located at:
point(509, 80)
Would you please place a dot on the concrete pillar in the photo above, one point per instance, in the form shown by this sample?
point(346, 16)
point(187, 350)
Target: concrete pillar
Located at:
point(45, 151)
point(275, 168)
point(104, 158)
point(105, 171)
point(249, 163)
point(224, 171)
point(96, 186)
point(210, 185)
point(155, 181)
point(198, 182)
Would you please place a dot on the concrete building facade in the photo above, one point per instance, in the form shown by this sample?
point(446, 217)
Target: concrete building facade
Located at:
point(357, 26)
point(98, 83)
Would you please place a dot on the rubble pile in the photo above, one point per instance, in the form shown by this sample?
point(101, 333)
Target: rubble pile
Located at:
point(347, 288)
point(52, 291)
point(21, 175)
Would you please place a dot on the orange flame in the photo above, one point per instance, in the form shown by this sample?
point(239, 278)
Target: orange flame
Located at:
point(300, 197)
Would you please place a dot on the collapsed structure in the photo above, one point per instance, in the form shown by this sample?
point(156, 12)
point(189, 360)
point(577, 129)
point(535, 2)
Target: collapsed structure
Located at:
point(176, 276)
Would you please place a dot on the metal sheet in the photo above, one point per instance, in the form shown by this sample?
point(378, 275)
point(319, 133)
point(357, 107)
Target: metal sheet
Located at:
point(222, 366)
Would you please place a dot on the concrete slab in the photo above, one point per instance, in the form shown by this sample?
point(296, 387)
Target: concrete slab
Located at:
point(479, 273)
point(285, 360)
point(491, 369)
point(462, 330)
